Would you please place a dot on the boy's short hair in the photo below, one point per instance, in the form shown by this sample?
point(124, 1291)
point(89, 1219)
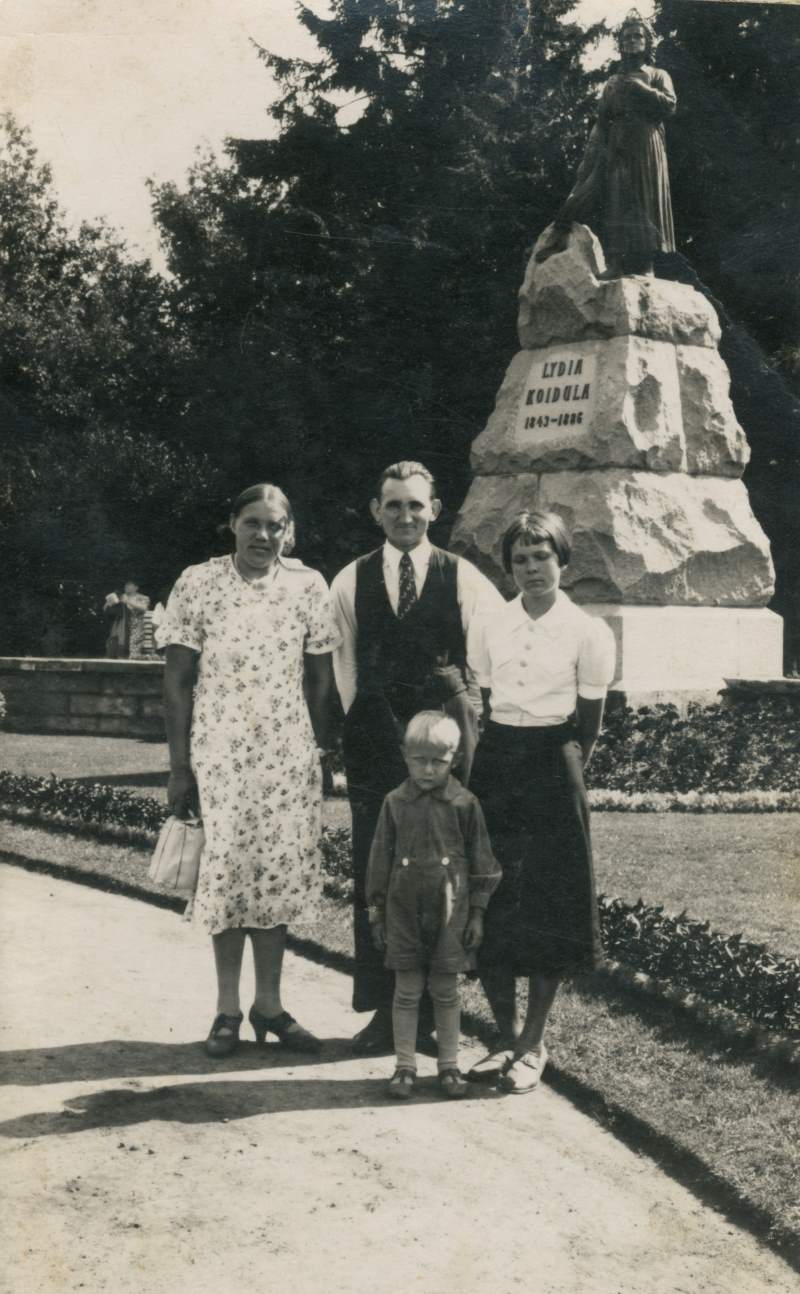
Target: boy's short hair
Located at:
point(433, 728)
point(536, 527)
point(403, 471)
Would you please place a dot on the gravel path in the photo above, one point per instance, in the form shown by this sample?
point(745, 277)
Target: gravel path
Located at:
point(133, 1163)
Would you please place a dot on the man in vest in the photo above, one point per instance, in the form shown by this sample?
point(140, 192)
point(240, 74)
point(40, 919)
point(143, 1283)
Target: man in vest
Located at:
point(408, 614)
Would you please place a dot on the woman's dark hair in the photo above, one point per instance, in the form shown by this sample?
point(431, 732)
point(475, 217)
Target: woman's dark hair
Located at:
point(537, 527)
point(266, 493)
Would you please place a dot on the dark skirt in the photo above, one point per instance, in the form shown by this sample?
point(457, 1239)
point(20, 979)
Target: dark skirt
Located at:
point(543, 917)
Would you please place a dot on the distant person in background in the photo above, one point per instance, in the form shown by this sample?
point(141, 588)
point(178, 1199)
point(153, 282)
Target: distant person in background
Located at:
point(158, 613)
point(126, 611)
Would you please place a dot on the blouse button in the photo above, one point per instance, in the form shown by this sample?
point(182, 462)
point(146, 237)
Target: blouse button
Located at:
point(445, 861)
point(405, 862)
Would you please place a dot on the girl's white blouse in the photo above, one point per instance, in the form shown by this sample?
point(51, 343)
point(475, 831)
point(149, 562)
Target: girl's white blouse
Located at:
point(536, 669)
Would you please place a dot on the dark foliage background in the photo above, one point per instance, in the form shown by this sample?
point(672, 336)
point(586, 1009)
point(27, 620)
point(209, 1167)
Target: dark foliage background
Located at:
point(342, 292)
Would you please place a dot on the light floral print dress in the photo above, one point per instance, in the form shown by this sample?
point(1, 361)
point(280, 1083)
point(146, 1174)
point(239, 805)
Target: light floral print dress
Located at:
point(252, 745)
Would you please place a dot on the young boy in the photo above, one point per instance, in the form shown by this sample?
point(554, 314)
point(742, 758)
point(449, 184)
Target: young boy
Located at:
point(431, 872)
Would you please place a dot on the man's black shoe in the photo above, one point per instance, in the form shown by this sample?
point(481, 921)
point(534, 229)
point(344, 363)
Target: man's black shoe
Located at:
point(376, 1038)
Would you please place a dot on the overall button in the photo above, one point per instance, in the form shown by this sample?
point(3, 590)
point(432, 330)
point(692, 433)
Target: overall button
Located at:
point(445, 861)
point(405, 862)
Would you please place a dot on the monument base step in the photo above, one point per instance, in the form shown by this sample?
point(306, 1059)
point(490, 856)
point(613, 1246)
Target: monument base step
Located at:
point(676, 655)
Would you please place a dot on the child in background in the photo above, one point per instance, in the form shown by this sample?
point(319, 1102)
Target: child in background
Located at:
point(430, 874)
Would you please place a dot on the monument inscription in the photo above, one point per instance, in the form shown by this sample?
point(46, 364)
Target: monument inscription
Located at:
point(559, 391)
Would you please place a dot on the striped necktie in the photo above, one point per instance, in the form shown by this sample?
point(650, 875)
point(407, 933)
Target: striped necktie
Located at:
point(408, 588)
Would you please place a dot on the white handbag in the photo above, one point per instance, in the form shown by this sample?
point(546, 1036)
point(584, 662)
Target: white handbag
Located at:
point(176, 858)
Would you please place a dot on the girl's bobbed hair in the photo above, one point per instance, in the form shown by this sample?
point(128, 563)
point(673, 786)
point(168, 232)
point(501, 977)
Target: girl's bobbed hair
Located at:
point(536, 527)
point(266, 493)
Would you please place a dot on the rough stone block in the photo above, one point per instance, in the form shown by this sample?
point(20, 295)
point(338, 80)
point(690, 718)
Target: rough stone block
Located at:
point(715, 442)
point(103, 705)
point(592, 404)
point(134, 685)
point(639, 537)
point(627, 402)
point(562, 299)
point(152, 710)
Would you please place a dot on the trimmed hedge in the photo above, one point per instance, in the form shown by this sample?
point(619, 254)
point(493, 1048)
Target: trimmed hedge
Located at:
point(752, 745)
point(89, 802)
point(695, 801)
point(742, 976)
point(723, 968)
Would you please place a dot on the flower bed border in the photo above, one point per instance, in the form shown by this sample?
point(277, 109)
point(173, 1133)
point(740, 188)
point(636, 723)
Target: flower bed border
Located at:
point(743, 977)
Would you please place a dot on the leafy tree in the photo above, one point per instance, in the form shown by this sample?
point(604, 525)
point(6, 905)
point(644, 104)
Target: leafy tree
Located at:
point(88, 489)
point(735, 160)
point(735, 171)
point(350, 285)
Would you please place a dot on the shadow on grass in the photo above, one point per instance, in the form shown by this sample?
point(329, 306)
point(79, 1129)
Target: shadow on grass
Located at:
point(214, 1102)
point(671, 1025)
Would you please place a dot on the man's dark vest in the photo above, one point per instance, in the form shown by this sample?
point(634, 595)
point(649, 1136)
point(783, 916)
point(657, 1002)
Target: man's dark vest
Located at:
point(398, 658)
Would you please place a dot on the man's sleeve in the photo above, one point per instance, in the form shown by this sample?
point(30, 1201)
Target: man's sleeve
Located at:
point(343, 597)
point(479, 601)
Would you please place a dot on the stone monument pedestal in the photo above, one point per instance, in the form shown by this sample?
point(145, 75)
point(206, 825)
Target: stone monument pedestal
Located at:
point(616, 414)
point(683, 654)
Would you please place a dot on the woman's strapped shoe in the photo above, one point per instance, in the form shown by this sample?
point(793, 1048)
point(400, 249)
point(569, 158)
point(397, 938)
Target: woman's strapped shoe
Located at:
point(452, 1085)
point(224, 1036)
point(289, 1033)
point(524, 1072)
point(401, 1084)
point(491, 1067)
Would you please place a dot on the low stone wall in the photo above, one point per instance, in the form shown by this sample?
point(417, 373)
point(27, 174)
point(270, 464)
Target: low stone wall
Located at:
point(115, 698)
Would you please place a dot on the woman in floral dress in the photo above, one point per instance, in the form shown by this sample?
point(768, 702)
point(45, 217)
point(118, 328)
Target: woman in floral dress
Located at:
point(248, 640)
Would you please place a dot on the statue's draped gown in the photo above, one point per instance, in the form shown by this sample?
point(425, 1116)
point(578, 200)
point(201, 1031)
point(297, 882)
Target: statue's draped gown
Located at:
point(622, 186)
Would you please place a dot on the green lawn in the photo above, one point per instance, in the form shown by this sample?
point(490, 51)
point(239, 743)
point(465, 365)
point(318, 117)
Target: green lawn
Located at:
point(739, 871)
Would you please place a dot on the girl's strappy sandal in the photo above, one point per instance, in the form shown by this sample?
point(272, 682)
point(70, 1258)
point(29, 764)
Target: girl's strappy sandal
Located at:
point(401, 1084)
point(452, 1085)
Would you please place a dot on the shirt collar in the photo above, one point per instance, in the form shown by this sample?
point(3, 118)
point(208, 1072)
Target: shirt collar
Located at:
point(550, 623)
point(420, 556)
point(447, 792)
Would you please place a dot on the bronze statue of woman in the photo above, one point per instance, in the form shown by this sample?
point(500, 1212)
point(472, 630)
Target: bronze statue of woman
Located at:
point(622, 186)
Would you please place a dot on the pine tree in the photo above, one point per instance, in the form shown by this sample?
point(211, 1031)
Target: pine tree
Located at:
point(353, 281)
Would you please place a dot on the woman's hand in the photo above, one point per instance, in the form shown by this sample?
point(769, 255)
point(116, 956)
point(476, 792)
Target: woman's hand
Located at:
point(473, 932)
point(182, 797)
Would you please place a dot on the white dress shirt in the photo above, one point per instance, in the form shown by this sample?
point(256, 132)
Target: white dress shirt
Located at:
point(477, 598)
point(536, 669)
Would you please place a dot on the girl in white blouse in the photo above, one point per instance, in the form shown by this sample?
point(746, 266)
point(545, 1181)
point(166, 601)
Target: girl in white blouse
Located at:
point(544, 667)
